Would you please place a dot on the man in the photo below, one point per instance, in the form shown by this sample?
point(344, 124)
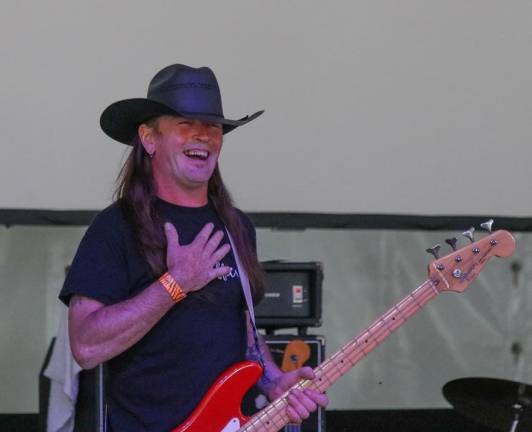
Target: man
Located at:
point(154, 289)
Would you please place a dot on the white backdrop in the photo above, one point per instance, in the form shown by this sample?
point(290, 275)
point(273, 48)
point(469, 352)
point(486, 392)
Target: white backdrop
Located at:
point(419, 107)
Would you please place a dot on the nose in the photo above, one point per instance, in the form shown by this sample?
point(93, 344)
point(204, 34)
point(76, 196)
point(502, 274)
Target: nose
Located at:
point(201, 132)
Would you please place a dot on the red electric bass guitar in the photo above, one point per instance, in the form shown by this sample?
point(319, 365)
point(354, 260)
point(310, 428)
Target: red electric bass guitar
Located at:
point(219, 411)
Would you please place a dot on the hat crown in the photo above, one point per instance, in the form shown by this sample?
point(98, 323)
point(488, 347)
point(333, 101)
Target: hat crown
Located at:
point(187, 90)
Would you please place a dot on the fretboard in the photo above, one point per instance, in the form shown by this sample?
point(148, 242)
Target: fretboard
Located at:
point(273, 417)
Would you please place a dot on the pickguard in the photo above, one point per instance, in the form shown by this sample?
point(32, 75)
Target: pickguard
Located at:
point(232, 426)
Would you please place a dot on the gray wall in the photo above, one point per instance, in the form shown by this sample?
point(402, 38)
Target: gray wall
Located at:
point(371, 106)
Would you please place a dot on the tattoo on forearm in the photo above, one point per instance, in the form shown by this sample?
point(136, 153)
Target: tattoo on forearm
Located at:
point(256, 352)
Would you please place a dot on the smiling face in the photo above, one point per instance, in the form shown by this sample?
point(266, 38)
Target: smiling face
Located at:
point(185, 154)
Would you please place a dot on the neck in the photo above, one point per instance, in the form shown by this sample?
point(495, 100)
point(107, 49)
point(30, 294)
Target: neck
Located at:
point(194, 197)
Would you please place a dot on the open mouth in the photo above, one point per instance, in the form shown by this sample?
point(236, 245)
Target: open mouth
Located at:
point(197, 154)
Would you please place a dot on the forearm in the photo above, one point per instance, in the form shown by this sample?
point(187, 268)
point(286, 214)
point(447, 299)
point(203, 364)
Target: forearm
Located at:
point(99, 333)
point(259, 352)
point(271, 371)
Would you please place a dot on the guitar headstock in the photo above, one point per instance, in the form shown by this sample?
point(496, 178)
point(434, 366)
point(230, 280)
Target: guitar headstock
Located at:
point(456, 271)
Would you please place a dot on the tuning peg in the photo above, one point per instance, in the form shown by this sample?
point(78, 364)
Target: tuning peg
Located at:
point(487, 225)
point(469, 234)
point(434, 250)
point(451, 242)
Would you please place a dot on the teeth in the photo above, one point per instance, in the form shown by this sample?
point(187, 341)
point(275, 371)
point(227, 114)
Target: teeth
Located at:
point(197, 153)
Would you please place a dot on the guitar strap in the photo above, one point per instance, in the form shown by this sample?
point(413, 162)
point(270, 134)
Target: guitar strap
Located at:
point(244, 281)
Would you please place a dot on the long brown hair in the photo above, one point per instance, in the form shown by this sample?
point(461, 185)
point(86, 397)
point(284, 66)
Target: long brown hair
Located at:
point(136, 195)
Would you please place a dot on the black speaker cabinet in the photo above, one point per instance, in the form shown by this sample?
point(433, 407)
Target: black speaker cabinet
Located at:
point(290, 352)
point(292, 296)
point(90, 406)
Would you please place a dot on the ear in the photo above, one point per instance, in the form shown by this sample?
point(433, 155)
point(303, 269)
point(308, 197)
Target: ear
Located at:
point(146, 135)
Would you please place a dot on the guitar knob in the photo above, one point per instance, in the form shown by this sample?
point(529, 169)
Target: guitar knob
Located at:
point(434, 250)
point(469, 234)
point(451, 242)
point(487, 225)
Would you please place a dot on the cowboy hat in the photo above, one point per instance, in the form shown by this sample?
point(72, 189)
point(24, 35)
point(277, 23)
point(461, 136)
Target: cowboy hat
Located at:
point(175, 90)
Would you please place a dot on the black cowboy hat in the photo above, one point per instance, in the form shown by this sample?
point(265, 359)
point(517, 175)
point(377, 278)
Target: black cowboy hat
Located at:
point(175, 90)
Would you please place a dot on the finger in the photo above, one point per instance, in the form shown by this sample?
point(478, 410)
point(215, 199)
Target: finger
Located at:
point(219, 272)
point(172, 238)
point(288, 379)
point(204, 235)
point(305, 372)
point(300, 409)
point(292, 415)
point(220, 253)
point(213, 242)
point(304, 399)
point(318, 398)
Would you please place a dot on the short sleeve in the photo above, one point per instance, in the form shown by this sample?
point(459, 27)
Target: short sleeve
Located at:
point(99, 268)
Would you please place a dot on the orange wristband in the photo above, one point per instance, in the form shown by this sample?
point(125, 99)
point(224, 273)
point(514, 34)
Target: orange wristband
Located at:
point(172, 287)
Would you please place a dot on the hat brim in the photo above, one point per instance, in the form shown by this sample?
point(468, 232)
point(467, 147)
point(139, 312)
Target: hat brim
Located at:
point(121, 119)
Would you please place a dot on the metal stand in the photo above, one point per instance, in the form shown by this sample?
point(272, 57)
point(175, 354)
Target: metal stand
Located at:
point(518, 409)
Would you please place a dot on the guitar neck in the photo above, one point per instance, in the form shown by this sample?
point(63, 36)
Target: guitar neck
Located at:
point(273, 417)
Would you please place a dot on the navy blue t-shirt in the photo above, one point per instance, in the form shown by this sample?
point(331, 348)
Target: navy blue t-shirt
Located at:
point(155, 385)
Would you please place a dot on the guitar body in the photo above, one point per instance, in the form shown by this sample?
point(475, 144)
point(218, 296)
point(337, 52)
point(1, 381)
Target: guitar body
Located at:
point(219, 410)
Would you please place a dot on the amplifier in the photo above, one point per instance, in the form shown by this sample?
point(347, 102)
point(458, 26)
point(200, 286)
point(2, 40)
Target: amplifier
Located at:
point(291, 352)
point(292, 296)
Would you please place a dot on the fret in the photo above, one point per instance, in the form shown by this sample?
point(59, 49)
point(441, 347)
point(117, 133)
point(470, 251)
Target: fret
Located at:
point(425, 292)
point(343, 364)
point(261, 421)
point(268, 420)
point(405, 307)
point(379, 331)
point(330, 375)
point(277, 411)
point(417, 304)
point(394, 319)
point(366, 343)
point(339, 361)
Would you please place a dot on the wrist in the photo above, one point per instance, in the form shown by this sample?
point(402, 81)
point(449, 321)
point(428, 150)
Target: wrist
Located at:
point(268, 382)
point(172, 287)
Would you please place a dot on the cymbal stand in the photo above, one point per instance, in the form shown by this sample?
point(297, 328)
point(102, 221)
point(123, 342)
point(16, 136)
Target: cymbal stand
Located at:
point(518, 409)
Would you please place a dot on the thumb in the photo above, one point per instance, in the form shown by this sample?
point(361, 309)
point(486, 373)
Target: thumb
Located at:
point(172, 239)
point(305, 372)
point(288, 379)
